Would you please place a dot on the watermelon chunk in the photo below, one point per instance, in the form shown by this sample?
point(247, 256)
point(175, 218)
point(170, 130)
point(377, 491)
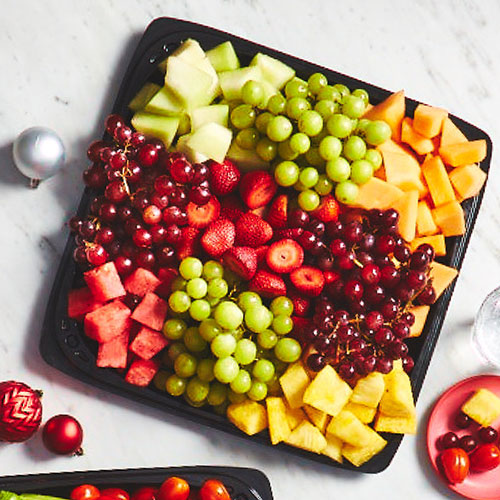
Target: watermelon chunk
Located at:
point(113, 354)
point(80, 302)
point(140, 282)
point(104, 282)
point(151, 312)
point(166, 275)
point(107, 322)
point(142, 371)
point(148, 343)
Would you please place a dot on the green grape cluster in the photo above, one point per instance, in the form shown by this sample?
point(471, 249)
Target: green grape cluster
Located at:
point(225, 346)
point(314, 134)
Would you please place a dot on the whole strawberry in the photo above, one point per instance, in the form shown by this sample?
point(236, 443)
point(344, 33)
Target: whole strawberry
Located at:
point(252, 231)
point(224, 177)
point(218, 237)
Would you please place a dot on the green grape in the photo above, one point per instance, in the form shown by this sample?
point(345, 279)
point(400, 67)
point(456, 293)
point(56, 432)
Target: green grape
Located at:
point(223, 345)
point(263, 370)
point(185, 365)
point(242, 382)
point(192, 403)
point(234, 397)
point(361, 126)
point(314, 158)
point(361, 171)
point(174, 350)
point(281, 305)
point(338, 170)
point(326, 108)
point(179, 301)
point(353, 106)
point(226, 369)
point(174, 328)
point(276, 104)
point(262, 120)
point(243, 116)
point(258, 391)
point(377, 132)
point(282, 324)
point(217, 394)
point(287, 350)
point(298, 186)
point(342, 89)
point(286, 173)
point(178, 283)
point(330, 148)
point(266, 149)
point(175, 385)
point(247, 138)
point(252, 93)
point(300, 143)
point(258, 318)
point(196, 288)
point(212, 269)
point(190, 268)
point(279, 128)
point(205, 370)
point(324, 185)
point(228, 315)
point(209, 329)
point(220, 409)
point(328, 93)
point(248, 299)
point(339, 125)
point(160, 380)
point(193, 340)
point(267, 339)
point(296, 87)
point(217, 288)
point(362, 94)
point(213, 301)
point(296, 106)
point(316, 140)
point(308, 200)
point(316, 82)
point(346, 192)
point(310, 123)
point(354, 148)
point(237, 334)
point(279, 366)
point(374, 157)
point(245, 351)
point(285, 151)
point(309, 177)
point(197, 390)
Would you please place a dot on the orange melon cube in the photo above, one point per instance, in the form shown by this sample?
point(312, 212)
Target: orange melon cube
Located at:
point(425, 223)
point(392, 111)
point(450, 218)
point(451, 134)
point(428, 120)
point(464, 153)
point(420, 144)
point(403, 170)
point(438, 181)
point(467, 180)
point(407, 207)
point(377, 193)
point(420, 313)
point(437, 241)
point(390, 146)
point(441, 276)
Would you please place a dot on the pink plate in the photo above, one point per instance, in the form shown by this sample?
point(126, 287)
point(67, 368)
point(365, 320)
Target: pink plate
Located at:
point(484, 485)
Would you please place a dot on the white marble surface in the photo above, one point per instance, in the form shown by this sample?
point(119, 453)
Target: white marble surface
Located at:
point(61, 64)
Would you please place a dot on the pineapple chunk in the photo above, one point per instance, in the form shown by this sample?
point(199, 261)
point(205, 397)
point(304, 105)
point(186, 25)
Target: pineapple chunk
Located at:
point(364, 413)
point(295, 416)
point(308, 437)
point(279, 428)
point(359, 455)
point(328, 392)
point(483, 407)
point(294, 382)
point(396, 425)
point(349, 429)
point(333, 448)
point(368, 390)
point(397, 400)
point(319, 418)
point(249, 416)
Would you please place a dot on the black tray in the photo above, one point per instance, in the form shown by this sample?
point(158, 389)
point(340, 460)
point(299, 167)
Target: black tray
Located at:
point(63, 344)
point(241, 483)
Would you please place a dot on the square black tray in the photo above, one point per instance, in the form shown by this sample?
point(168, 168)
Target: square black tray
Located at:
point(63, 344)
point(241, 483)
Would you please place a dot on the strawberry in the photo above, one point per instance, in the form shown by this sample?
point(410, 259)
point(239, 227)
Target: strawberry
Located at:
point(277, 215)
point(242, 261)
point(308, 280)
point(284, 256)
point(293, 233)
point(301, 304)
point(231, 208)
point(331, 276)
point(267, 284)
point(224, 177)
point(261, 254)
point(188, 242)
point(328, 209)
point(257, 188)
point(203, 215)
point(252, 231)
point(218, 237)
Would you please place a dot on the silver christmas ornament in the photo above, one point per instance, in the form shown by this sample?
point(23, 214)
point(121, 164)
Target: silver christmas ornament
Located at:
point(38, 154)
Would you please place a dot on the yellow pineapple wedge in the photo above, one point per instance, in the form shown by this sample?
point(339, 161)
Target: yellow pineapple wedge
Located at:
point(359, 455)
point(248, 416)
point(279, 428)
point(294, 416)
point(307, 437)
point(347, 427)
point(319, 418)
point(368, 390)
point(364, 413)
point(397, 400)
point(294, 382)
point(483, 407)
point(333, 448)
point(396, 425)
point(327, 392)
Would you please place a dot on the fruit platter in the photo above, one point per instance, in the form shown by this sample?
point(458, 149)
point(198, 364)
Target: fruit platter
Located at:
point(266, 246)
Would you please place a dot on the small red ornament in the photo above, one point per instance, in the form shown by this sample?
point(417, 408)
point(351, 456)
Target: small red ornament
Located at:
point(63, 434)
point(20, 411)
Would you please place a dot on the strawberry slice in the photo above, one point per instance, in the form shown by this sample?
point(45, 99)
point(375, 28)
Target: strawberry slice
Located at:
point(284, 256)
point(241, 260)
point(252, 231)
point(277, 215)
point(267, 284)
point(224, 177)
point(203, 215)
point(308, 280)
point(257, 188)
point(328, 209)
point(218, 237)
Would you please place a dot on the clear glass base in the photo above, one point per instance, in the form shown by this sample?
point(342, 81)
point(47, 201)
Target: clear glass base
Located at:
point(486, 330)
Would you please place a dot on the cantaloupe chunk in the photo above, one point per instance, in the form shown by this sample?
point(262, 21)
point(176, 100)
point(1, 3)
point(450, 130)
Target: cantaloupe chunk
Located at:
point(392, 111)
point(451, 134)
point(425, 223)
point(438, 181)
point(441, 277)
point(464, 153)
point(420, 144)
point(407, 207)
point(420, 313)
point(391, 146)
point(467, 180)
point(403, 170)
point(428, 120)
point(377, 193)
point(436, 241)
point(450, 218)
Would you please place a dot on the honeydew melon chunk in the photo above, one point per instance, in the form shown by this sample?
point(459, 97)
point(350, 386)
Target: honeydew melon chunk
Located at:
point(216, 113)
point(144, 95)
point(212, 140)
point(164, 102)
point(162, 127)
point(223, 57)
point(246, 159)
point(275, 72)
point(184, 124)
point(191, 155)
point(231, 82)
point(269, 91)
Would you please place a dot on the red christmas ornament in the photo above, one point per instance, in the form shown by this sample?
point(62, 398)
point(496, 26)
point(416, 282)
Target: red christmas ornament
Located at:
point(20, 411)
point(63, 435)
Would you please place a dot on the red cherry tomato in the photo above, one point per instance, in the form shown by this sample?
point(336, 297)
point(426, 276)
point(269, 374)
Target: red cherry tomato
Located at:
point(145, 493)
point(213, 489)
point(485, 457)
point(115, 493)
point(174, 488)
point(455, 462)
point(85, 492)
